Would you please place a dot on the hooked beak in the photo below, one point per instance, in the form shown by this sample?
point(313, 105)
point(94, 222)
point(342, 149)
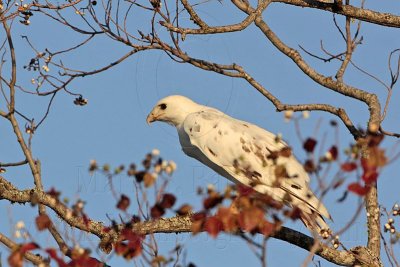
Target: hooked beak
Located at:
point(151, 118)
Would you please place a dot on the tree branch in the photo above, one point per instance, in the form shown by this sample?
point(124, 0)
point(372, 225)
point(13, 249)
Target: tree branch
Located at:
point(10, 192)
point(379, 18)
point(35, 259)
point(349, 52)
point(237, 71)
point(11, 116)
point(26, 151)
point(178, 224)
point(305, 242)
point(183, 224)
point(13, 67)
point(205, 29)
point(193, 15)
point(373, 224)
point(14, 164)
point(370, 99)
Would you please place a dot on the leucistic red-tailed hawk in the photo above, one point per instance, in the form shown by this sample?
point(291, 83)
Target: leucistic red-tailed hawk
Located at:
point(242, 152)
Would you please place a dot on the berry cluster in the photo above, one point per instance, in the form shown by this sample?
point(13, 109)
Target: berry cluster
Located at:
point(25, 13)
point(389, 226)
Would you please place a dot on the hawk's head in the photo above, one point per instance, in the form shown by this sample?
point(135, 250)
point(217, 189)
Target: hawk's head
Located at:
point(172, 110)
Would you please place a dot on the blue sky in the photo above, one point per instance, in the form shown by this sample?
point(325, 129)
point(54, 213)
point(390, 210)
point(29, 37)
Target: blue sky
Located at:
point(112, 127)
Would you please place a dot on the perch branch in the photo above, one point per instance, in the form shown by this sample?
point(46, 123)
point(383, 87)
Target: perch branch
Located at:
point(178, 224)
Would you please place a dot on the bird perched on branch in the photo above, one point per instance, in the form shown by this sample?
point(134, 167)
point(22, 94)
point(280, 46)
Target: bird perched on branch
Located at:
point(242, 152)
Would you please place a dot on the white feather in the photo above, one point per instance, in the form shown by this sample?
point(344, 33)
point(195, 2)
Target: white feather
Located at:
point(240, 151)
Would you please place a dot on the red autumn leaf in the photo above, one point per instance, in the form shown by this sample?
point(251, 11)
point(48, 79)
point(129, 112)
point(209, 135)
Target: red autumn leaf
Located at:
point(132, 248)
point(53, 254)
point(131, 235)
point(266, 228)
point(197, 227)
point(309, 145)
point(135, 243)
point(358, 189)
point(268, 200)
point(197, 222)
point(199, 216)
point(376, 158)
point(42, 222)
point(348, 166)
point(16, 258)
point(250, 218)
point(80, 259)
point(294, 213)
point(370, 177)
point(84, 260)
point(365, 164)
point(245, 190)
point(184, 209)
point(120, 248)
point(168, 201)
point(28, 246)
point(54, 193)
point(213, 226)
point(157, 211)
point(228, 219)
point(375, 140)
point(212, 201)
point(123, 202)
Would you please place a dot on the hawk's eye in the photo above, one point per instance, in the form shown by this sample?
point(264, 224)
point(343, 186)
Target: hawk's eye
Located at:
point(163, 106)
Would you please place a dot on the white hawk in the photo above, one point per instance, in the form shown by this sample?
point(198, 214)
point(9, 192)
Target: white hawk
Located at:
point(242, 152)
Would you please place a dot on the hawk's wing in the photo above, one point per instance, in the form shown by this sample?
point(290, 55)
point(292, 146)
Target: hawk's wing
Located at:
point(248, 154)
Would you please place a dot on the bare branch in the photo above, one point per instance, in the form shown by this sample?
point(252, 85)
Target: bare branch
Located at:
point(112, 64)
point(52, 228)
point(349, 52)
point(193, 15)
point(373, 223)
point(13, 80)
point(237, 71)
point(389, 133)
point(221, 29)
point(26, 151)
point(47, 111)
point(332, 57)
point(14, 164)
point(380, 18)
point(370, 99)
point(50, 5)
